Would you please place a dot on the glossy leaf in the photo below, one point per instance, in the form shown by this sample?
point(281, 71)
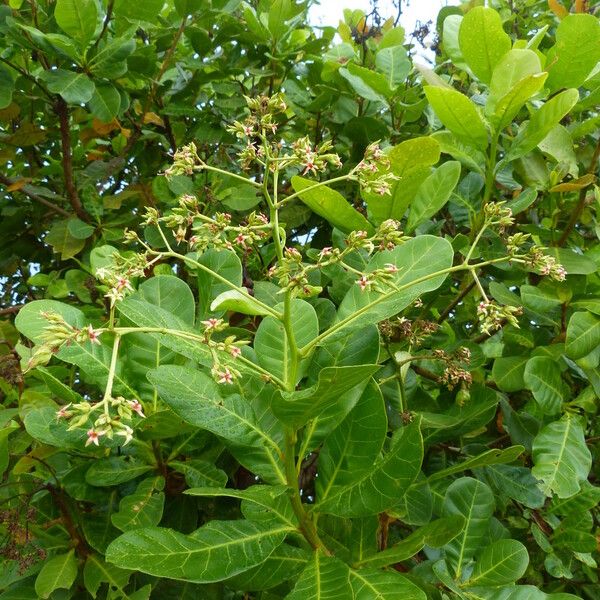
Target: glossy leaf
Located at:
point(459, 115)
point(57, 573)
point(576, 52)
point(501, 563)
point(382, 486)
point(419, 261)
point(75, 88)
point(324, 578)
point(474, 501)
point(270, 341)
point(330, 205)
point(77, 18)
point(543, 379)
point(433, 194)
point(296, 408)
point(583, 334)
point(355, 445)
point(483, 41)
point(383, 585)
point(219, 550)
point(561, 458)
point(195, 397)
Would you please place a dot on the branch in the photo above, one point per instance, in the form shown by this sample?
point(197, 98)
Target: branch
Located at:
point(582, 199)
point(11, 309)
point(455, 302)
point(107, 18)
point(24, 190)
point(62, 112)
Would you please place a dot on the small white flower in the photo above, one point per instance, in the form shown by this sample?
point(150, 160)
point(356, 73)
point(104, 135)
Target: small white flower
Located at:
point(93, 437)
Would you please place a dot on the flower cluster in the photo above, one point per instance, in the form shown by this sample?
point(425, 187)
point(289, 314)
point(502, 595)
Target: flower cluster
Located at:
point(115, 414)
point(545, 264)
point(403, 329)
point(493, 316)
point(499, 215)
point(56, 334)
point(230, 347)
point(373, 171)
point(535, 257)
point(118, 276)
point(314, 159)
point(185, 161)
point(256, 126)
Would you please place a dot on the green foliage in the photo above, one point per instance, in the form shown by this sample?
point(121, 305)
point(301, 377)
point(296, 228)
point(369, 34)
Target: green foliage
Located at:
point(286, 314)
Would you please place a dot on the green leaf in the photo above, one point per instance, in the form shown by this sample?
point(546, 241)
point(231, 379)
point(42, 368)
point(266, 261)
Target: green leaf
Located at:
point(543, 379)
point(297, 408)
point(331, 205)
point(474, 501)
point(419, 261)
point(508, 373)
point(360, 82)
point(583, 335)
point(234, 301)
point(264, 497)
point(270, 341)
point(225, 263)
point(114, 470)
point(562, 461)
point(375, 81)
point(188, 7)
point(147, 11)
point(514, 66)
point(62, 241)
point(542, 121)
point(96, 572)
point(195, 397)
point(199, 473)
point(283, 564)
point(490, 457)
point(324, 578)
point(142, 508)
point(515, 482)
point(459, 115)
point(501, 563)
point(468, 156)
point(59, 572)
point(383, 585)
point(217, 551)
point(409, 162)
point(278, 14)
point(483, 41)
point(509, 105)
point(77, 18)
point(383, 485)
point(436, 534)
point(171, 294)
point(354, 445)
point(79, 229)
point(394, 63)
point(433, 194)
point(75, 88)
point(105, 102)
point(7, 87)
point(575, 53)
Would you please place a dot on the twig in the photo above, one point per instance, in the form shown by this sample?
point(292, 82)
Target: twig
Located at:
point(582, 199)
point(107, 18)
point(62, 111)
point(11, 309)
point(455, 302)
point(24, 190)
